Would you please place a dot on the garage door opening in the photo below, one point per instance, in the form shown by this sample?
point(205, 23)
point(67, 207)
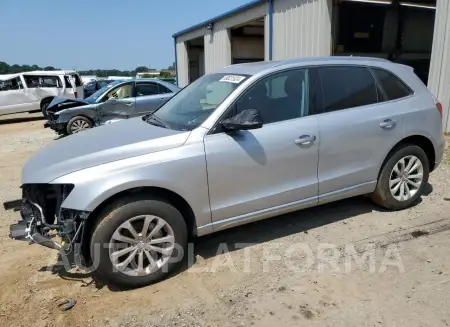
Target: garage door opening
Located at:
point(247, 42)
point(196, 57)
point(401, 31)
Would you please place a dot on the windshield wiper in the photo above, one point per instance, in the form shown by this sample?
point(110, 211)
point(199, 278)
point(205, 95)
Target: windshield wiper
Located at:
point(154, 120)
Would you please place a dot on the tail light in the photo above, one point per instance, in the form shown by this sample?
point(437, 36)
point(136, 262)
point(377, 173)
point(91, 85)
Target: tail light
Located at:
point(439, 107)
point(76, 96)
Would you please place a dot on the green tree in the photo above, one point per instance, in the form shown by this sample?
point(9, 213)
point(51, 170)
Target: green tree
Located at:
point(141, 69)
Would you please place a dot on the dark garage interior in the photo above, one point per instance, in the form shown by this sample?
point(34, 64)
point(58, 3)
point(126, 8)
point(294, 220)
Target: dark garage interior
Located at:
point(401, 31)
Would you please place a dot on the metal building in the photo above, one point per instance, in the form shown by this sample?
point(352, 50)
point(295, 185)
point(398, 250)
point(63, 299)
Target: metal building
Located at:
point(413, 32)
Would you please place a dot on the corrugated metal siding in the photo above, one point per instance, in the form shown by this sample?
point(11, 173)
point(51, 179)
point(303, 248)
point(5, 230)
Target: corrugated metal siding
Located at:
point(217, 50)
point(182, 64)
point(439, 78)
point(301, 28)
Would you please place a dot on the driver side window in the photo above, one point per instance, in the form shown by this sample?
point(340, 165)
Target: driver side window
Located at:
point(121, 92)
point(278, 97)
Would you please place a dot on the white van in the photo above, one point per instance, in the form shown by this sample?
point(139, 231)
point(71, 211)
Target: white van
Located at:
point(33, 91)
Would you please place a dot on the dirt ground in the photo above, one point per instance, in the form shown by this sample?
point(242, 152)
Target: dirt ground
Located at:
point(299, 269)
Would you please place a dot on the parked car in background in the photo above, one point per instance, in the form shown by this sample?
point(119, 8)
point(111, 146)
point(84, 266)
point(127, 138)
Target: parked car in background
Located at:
point(95, 85)
point(33, 91)
point(115, 101)
point(248, 142)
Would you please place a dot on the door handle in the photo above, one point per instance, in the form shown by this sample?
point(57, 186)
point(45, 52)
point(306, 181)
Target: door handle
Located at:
point(388, 124)
point(130, 104)
point(305, 140)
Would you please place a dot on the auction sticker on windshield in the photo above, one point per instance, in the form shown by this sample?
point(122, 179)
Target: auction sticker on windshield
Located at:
point(233, 79)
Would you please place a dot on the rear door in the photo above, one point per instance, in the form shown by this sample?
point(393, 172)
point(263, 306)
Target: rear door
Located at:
point(150, 96)
point(118, 103)
point(358, 128)
point(78, 85)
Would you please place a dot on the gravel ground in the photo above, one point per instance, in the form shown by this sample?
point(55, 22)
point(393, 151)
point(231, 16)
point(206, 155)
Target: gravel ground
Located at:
point(299, 269)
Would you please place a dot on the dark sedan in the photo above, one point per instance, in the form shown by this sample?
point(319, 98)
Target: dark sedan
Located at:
point(93, 86)
point(116, 101)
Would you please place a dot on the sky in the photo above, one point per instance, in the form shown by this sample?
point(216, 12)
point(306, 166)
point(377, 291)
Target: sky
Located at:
point(99, 34)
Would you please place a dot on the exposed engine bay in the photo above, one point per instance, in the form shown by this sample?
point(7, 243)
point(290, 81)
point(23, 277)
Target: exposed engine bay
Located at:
point(42, 215)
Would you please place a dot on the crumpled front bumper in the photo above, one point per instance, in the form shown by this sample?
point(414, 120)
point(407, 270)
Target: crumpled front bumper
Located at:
point(23, 231)
point(17, 231)
point(55, 125)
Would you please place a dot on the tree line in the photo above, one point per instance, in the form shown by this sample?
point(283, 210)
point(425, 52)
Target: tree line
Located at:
point(13, 69)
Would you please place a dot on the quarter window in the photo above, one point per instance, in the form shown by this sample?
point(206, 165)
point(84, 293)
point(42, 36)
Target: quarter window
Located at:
point(279, 97)
point(392, 86)
point(347, 87)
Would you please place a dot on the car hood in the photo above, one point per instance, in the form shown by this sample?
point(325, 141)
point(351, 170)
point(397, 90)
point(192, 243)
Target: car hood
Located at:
point(100, 145)
point(59, 104)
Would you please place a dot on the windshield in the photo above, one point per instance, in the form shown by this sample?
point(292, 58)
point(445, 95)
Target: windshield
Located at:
point(195, 103)
point(94, 97)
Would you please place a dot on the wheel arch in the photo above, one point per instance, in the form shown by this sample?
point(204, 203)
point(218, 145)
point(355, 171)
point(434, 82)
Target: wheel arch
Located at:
point(422, 142)
point(48, 98)
point(152, 192)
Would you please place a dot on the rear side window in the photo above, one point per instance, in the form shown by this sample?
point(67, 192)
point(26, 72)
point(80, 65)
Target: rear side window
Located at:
point(11, 84)
point(163, 89)
point(392, 86)
point(347, 87)
point(34, 81)
point(143, 89)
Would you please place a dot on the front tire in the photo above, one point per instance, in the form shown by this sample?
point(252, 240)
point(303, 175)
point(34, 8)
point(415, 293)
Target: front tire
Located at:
point(403, 178)
point(78, 124)
point(137, 242)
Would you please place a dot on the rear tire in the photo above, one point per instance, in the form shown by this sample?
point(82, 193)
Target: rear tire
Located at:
point(78, 124)
point(152, 220)
point(403, 178)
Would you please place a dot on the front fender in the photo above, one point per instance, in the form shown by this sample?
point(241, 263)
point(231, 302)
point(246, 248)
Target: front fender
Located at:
point(86, 111)
point(181, 170)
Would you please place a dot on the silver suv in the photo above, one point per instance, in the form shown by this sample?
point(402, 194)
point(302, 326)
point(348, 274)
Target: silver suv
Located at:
point(248, 142)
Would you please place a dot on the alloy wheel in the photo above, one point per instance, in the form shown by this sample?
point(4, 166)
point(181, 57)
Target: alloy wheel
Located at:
point(78, 126)
point(141, 245)
point(406, 178)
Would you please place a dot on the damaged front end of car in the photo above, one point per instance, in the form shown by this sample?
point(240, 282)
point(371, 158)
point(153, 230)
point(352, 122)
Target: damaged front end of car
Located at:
point(42, 217)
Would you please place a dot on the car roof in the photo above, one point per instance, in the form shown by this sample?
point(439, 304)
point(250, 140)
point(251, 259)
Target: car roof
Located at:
point(170, 86)
point(39, 72)
point(257, 67)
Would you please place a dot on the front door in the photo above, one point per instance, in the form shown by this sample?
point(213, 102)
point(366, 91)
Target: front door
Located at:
point(358, 128)
point(118, 103)
point(276, 165)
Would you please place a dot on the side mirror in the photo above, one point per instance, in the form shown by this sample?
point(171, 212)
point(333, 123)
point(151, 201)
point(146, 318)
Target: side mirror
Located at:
point(247, 119)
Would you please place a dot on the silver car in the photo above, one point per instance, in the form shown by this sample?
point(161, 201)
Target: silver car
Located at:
point(248, 142)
